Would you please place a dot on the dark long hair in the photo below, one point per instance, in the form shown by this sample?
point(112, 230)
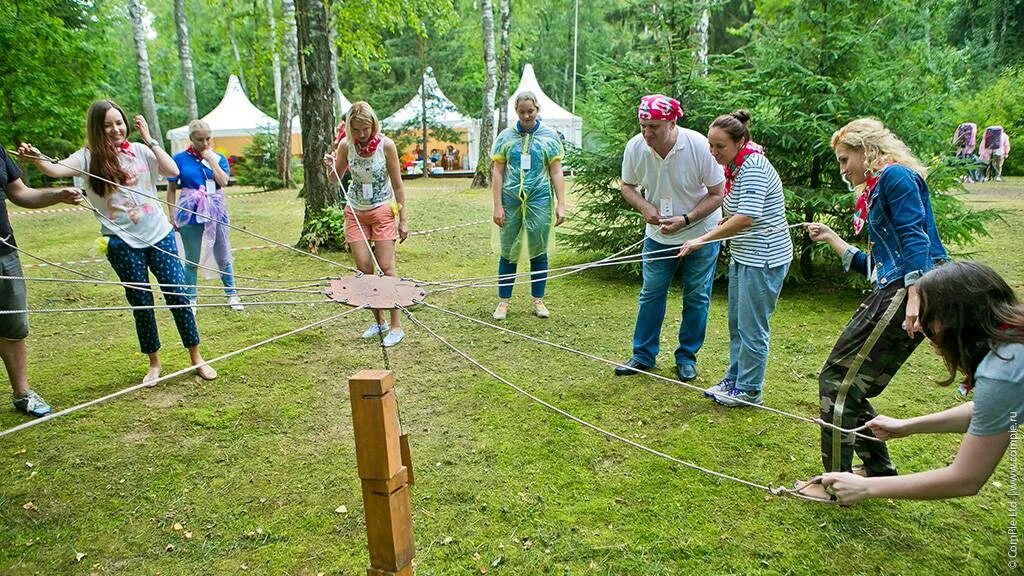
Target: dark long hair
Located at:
point(104, 160)
point(966, 308)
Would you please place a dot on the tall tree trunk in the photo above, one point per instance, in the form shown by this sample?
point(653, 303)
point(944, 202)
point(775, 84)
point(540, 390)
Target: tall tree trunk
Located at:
point(332, 41)
point(423, 104)
point(700, 33)
point(292, 40)
point(137, 10)
point(506, 62)
point(275, 55)
point(317, 112)
point(238, 57)
point(482, 178)
point(188, 81)
point(286, 109)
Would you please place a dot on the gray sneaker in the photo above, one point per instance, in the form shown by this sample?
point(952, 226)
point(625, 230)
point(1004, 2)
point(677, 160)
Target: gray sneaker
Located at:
point(721, 388)
point(31, 404)
point(736, 398)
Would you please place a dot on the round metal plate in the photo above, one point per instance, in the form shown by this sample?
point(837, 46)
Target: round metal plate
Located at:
point(375, 291)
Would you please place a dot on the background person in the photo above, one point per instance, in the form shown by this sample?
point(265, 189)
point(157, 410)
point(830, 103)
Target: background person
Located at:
point(203, 174)
point(528, 192)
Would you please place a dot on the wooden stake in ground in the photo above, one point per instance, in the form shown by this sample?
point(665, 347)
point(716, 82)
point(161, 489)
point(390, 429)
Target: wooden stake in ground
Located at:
point(385, 470)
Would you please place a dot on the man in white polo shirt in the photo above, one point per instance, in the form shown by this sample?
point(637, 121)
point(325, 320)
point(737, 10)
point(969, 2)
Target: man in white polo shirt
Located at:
point(669, 175)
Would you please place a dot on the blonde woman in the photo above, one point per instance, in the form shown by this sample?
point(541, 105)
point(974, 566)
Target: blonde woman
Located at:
point(894, 206)
point(375, 211)
point(200, 211)
point(528, 191)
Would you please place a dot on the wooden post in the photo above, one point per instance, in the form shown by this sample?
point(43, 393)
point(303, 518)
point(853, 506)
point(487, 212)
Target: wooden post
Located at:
point(384, 473)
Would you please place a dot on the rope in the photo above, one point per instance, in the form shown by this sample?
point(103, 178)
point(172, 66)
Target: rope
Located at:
point(42, 156)
point(130, 389)
point(598, 429)
point(443, 228)
point(687, 385)
point(157, 307)
point(137, 284)
point(613, 260)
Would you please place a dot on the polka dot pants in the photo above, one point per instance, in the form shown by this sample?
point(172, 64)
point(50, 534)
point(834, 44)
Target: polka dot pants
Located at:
point(133, 265)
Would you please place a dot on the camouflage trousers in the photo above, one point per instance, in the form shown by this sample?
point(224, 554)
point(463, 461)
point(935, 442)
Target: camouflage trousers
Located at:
point(868, 353)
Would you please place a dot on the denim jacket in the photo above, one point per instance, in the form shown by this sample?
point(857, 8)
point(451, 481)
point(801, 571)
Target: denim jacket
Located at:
point(901, 230)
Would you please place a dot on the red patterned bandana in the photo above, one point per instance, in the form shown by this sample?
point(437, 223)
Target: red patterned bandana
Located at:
point(659, 107)
point(733, 168)
point(193, 153)
point(370, 147)
point(863, 204)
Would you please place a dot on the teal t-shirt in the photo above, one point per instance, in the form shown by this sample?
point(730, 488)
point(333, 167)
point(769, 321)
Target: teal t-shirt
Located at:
point(998, 391)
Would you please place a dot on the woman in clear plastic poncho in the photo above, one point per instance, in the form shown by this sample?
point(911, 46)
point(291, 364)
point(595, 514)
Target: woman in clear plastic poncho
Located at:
point(527, 169)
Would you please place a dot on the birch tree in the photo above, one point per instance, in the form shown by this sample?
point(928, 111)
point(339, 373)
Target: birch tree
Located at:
point(482, 178)
point(188, 81)
point(275, 55)
point(506, 62)
point(137, 12)
point(285, 109)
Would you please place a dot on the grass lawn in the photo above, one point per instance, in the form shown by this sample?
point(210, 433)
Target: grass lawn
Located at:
point(245, 475)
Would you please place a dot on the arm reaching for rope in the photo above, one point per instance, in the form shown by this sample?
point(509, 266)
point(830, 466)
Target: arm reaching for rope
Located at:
point(26, 197)
point(26, 151)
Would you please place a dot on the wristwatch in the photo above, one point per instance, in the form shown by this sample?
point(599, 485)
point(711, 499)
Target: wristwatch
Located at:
point(152, 142)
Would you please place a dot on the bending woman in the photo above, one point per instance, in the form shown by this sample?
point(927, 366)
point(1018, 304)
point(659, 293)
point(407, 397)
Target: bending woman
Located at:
point(138, 236)
point(203, 174)
point(527, 169)
point(375, 210)
point(755, 205)
point(895, 206)
point(976, 324)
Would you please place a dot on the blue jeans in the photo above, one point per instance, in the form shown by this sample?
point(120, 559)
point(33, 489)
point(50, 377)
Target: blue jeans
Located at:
point(192, 241)
point(134, 265)
point(538, 276)
point(753, 292)
point(698, 270)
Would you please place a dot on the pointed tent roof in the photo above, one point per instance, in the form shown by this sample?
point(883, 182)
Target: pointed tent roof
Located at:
point(549, 109)
point(569, 124)
point(439, 108)
point(234, 116)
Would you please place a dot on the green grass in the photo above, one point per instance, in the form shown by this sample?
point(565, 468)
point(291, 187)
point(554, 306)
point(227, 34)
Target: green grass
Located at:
point(255, 464)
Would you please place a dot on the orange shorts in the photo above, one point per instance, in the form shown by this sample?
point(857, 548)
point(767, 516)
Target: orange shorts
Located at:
point(377, 223)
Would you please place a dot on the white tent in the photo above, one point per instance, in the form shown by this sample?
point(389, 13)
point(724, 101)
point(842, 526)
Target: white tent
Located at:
point(569, 124)
point(440, 110)
point(233, 122)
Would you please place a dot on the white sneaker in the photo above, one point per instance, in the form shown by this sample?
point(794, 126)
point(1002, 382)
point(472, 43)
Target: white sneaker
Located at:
point(236, 303)
point(375, 329)
point(393, 338)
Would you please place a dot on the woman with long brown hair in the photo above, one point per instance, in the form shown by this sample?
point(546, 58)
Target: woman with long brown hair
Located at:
point(976, 324)
point(138, 236)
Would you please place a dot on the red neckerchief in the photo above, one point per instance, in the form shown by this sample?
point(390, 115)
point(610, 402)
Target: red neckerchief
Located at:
point(370, 147)
point(125, 147)
point(193, 153)
point(733, 168)
point(863, 204)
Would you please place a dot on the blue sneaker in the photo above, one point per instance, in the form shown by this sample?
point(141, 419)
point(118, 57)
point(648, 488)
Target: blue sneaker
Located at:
point(721, 388)
point(736, 398)
point(375, 329)
point(32, 404)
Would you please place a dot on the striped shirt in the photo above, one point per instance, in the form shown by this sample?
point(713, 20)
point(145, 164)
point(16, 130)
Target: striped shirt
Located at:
point(757, 193)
